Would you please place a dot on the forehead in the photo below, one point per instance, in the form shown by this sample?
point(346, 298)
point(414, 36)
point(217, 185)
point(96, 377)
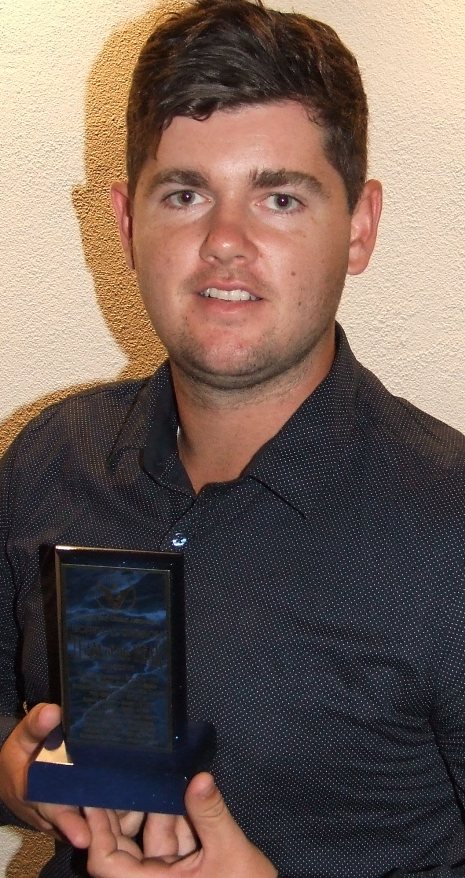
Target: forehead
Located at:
point(272, 135)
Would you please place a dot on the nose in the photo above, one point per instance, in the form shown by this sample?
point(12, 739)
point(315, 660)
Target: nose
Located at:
point(227, 237)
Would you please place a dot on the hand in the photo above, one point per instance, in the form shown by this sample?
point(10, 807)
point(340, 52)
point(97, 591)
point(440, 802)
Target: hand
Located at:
point(16, 755)
point(215, 847)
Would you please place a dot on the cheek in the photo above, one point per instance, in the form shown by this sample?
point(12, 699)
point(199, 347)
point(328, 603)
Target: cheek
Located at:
point(154, 261)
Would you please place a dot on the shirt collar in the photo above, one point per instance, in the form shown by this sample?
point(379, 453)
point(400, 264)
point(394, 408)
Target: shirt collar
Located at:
point(309, 450)
point(304, 451)
point(153, 409)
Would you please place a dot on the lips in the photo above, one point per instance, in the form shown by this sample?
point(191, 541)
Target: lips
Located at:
point(237, 295)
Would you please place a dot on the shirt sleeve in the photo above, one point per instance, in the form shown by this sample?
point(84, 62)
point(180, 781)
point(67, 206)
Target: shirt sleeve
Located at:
point(10, 695)
point(447, 715)
point(434, 872)
point(448, 710)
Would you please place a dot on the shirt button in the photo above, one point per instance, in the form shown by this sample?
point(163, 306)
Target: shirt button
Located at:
point(179, 541)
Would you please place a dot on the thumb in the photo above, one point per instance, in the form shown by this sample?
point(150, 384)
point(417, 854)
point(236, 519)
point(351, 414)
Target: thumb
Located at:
point(208, 813)
point(35, 727)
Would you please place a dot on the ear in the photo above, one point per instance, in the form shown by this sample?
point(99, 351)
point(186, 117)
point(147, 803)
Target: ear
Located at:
point(122, 210)
point(364, 226)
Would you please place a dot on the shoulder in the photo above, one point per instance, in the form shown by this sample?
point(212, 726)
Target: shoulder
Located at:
point(80, 427)
point(101, 410)
point(405, 432)
point(413, 468)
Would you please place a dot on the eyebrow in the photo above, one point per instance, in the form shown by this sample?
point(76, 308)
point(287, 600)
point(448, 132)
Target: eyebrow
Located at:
point(185, 177)
point(267, 178)
point(271, 179)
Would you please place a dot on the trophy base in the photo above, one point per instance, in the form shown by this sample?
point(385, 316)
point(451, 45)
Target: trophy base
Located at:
point(132, 780)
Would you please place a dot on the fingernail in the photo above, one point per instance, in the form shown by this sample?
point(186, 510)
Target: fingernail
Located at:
point(208, 788)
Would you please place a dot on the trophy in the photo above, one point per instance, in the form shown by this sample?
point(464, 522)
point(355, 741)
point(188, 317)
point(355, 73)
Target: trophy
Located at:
point(125, 742)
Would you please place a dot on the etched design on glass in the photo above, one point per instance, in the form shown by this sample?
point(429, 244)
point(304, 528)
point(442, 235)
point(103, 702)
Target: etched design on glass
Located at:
point(116, 631)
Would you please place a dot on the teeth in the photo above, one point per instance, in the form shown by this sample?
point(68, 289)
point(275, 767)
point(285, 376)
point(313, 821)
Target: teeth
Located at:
point(228, 295)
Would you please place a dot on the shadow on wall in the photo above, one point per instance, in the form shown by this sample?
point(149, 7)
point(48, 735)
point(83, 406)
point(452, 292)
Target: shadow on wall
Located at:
point(29, 859)
point(115, 286)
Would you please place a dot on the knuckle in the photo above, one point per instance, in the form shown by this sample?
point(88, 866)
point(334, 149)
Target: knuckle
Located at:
point(216, 809)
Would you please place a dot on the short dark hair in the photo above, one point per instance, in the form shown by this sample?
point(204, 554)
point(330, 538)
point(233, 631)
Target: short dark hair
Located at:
point(220, 54)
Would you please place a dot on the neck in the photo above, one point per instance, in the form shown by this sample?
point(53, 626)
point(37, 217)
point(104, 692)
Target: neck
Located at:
point(222, 430)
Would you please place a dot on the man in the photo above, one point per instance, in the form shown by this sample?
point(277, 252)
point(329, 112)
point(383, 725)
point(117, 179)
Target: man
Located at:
point(321, 519)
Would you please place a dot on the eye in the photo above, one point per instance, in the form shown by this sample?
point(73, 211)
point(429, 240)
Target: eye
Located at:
point(282, 202)
point(183, 198)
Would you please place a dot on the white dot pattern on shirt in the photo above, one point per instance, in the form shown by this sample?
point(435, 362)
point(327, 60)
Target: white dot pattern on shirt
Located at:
point(325, 610)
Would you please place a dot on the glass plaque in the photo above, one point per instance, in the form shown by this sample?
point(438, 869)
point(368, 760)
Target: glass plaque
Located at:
point(123, 668)
point(123, 684)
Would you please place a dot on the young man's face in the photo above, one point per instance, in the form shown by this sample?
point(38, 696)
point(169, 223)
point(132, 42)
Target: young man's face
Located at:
point(241, 238)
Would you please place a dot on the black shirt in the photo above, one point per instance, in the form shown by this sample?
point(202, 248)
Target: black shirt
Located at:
point(325, 606)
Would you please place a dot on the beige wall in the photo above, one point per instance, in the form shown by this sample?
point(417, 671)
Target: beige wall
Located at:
point(69, 312)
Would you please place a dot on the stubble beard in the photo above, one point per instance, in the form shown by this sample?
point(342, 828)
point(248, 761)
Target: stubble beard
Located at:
point(249, 374)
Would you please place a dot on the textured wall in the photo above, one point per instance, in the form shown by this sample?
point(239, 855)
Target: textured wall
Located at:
point(69, 309)
point(70, 313)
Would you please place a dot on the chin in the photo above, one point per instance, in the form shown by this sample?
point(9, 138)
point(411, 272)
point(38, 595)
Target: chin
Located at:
point(224, 375)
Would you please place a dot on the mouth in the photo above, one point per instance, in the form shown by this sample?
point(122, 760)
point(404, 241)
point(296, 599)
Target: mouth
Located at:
point(238, 295)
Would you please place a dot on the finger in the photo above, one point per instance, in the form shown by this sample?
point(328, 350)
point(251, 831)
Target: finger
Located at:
point(103, 838)
point(107, 859)
point(221, 838)
point(104, 825)
point(167, 837)
point(116, 818)
point(35, 727)
point(188, 841)
point(16, 756)
point(68, 821)
point(113, 820)
point(130, 822)
point(209, 815)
